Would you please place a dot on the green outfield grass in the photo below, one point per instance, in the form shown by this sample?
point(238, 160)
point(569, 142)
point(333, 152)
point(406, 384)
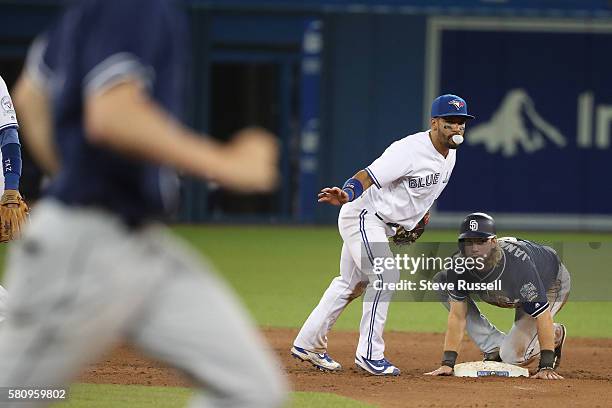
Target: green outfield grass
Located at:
point(124, 396)
point(281, 272)
point(136, 396)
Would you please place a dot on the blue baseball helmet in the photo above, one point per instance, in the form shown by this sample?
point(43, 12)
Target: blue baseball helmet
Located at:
point(449, 105)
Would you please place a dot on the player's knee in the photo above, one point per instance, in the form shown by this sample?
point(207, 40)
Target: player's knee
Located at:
point(392, 275)
point(439, 277)
point(510, 355)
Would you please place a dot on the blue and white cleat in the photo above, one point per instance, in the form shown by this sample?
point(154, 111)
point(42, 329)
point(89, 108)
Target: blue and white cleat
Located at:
point(377, 367)
point(322, 361)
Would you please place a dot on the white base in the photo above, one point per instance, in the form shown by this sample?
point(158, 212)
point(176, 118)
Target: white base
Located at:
point(489, 369)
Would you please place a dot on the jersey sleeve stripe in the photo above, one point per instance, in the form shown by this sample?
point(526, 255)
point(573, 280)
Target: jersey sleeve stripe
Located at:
point(540, 310)
point(8, 137)
point(116, 69)
point(8, 125)
point(373, 177)
point(35, 65)
point(456, 297)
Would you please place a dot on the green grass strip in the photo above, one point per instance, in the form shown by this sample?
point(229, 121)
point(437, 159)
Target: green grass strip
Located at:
point(140, 396)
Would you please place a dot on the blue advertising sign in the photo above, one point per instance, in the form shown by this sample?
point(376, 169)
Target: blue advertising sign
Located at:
point(542, 97)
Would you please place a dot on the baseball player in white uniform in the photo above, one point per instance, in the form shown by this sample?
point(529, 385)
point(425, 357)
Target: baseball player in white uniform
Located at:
point(407, 179)
point(8, 119)
point(10, 157)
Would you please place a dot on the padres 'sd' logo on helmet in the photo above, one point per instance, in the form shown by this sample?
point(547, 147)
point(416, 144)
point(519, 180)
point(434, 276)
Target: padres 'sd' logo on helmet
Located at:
point(473, 225)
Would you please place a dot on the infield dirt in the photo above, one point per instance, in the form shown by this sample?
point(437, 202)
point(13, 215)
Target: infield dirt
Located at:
point(586, 367)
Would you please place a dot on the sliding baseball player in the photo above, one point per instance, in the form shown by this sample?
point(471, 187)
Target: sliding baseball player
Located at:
point(526, 276)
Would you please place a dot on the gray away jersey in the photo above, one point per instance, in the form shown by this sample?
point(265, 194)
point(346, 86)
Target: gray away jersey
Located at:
point(526, 271)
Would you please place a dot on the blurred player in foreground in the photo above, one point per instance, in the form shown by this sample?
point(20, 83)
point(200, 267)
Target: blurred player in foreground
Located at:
point(533, 280)
point(391, 196)
point(13, 209)
point(93, 267)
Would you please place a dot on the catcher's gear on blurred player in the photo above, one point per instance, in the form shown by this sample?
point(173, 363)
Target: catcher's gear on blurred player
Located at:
point(403, 237)
point(13, 215)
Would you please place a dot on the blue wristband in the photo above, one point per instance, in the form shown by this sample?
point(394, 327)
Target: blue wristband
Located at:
point(11, 165)
point(353, 188)
point(350, 192)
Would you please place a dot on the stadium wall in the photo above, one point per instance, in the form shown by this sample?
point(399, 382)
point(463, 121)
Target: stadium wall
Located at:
point(536, 78)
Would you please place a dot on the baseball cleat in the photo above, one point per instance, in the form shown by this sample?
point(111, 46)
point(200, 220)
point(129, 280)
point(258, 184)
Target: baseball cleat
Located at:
point(322, 361)
point(492, 355)
point(376, 367)
point(559, 346)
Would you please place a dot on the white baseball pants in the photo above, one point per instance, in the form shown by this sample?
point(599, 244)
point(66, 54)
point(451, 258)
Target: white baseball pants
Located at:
point(365, 238)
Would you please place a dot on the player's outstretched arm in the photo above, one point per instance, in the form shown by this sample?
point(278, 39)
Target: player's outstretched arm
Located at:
point(352, 189)
point(32, 106)
point(454, 334)
point(125, 119)
point(546, 337)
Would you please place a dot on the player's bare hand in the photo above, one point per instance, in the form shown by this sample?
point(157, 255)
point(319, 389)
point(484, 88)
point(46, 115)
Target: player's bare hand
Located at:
point(333, 196)
point(547, 375)
point(443, 370)
point(255, 151)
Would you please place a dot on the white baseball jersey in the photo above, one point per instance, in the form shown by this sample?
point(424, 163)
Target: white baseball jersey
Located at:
point(8, 118)
point(409, 176)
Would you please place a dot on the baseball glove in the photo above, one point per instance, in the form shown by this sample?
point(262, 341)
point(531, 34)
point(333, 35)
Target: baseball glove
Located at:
point(13, 215)
point(403, 237)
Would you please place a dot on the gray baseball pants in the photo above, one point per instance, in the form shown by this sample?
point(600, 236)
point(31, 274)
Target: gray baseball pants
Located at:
point(79, 281)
